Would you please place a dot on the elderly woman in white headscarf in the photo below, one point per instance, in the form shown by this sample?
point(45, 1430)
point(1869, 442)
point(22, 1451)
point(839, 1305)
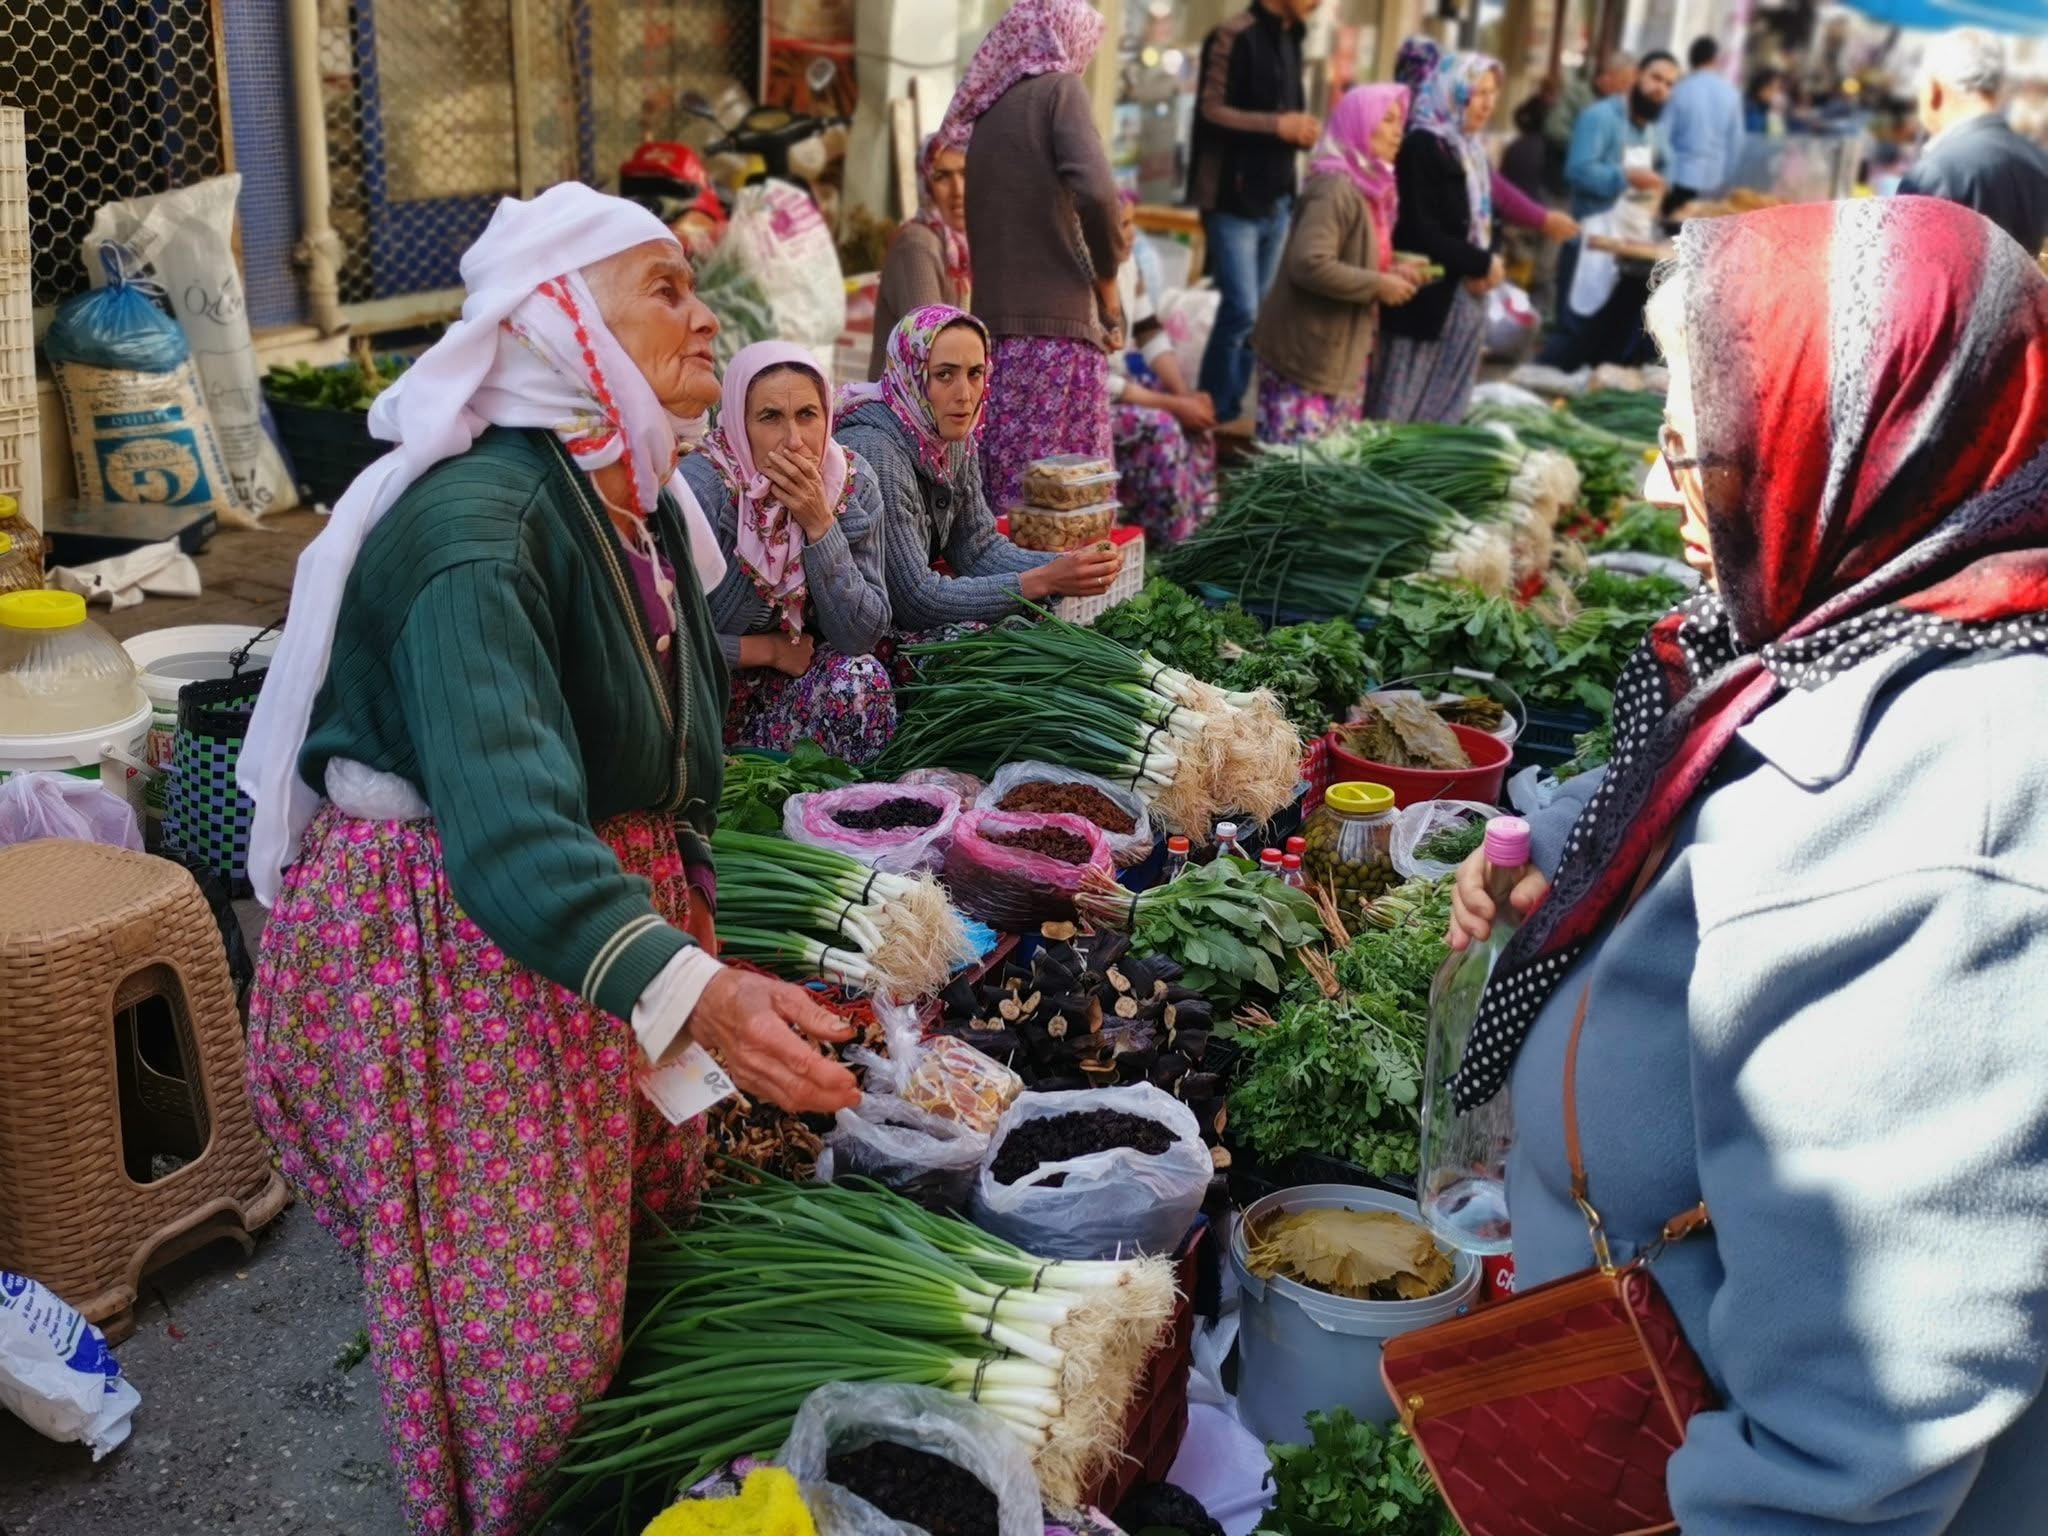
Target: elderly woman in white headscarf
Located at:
point(489, 752)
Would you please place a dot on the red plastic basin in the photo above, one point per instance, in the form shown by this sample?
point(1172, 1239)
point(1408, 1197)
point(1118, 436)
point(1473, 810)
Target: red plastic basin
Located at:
point(1482, 781)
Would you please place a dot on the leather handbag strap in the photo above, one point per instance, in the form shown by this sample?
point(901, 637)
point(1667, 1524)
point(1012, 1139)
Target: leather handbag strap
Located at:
point(1686, 1223)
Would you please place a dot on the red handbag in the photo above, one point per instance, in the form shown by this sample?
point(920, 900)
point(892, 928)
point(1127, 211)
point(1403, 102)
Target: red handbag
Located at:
point(1555, 1411)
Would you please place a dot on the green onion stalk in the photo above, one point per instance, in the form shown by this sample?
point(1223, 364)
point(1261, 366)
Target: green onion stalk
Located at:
point(778, 1289)
point(1055, 692)
point(804, 911)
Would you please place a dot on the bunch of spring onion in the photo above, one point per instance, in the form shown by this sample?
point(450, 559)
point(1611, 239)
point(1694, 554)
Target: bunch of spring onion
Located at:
point(1297, 528)
point(1610, 467)
point(804, 911)
point(780, 1288)
point(1636, 414)
point(1055, 692)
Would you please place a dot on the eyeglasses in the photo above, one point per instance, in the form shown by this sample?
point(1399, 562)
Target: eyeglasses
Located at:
point(1671, 445)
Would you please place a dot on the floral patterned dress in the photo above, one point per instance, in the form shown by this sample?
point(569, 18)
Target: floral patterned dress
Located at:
point(1046, 395)
point(1290, 414)
point(1166, 475)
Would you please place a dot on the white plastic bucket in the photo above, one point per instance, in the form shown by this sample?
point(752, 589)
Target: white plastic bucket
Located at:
point(1301, 1349)
point(168, 659)
point(104, 754)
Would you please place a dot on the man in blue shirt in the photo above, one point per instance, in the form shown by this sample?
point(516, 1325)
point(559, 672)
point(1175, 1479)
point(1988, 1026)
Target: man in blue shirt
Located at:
point(1704, 122)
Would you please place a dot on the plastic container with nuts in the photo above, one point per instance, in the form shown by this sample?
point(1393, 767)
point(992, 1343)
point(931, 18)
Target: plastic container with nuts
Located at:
point(1350, 845)
point(1068, 482)
point(1047, 528)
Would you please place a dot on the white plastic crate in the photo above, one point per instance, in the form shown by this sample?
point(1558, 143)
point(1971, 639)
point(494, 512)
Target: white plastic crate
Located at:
point(1129, 580)
point(21, 458)
point(17, 333)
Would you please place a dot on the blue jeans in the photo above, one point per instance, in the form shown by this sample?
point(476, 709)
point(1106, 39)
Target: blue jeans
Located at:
point(1243, 255)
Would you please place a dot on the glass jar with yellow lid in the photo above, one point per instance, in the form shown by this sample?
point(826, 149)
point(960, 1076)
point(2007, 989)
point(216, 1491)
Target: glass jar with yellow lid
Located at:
point(1350, 844)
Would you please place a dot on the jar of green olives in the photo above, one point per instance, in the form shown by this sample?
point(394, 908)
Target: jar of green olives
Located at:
point(1350, 844)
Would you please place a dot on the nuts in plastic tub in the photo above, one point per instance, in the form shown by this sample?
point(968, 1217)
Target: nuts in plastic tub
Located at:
point(1045, 528)
point(1066, 482)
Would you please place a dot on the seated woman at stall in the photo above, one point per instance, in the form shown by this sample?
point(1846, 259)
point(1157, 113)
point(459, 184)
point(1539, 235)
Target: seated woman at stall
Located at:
point(928, 258)
point(1165, 453)
point(917, 429)
point(1319, 321)
point(799, 521)
point(486, 750)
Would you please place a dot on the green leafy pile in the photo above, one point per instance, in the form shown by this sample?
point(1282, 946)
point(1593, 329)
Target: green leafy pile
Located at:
point(1167, 621)
point(1354, 1479)
point(1343, 1076)
point(1233, 928)
point(1592, 750)
point(348, 386)
point(1636, 414)
point(1642, 529)
point(756, 786)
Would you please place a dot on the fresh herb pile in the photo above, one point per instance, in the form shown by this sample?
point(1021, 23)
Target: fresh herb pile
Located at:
point(1343, 1075)
point(1354, 1479)
point(1230, 927)
point(1642, 529)
point(1167, 621)
point(349, 386)
point(756, 786)
point(1592, 750)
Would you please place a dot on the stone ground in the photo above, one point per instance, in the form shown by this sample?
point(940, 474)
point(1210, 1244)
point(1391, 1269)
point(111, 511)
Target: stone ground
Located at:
point(248, 1422)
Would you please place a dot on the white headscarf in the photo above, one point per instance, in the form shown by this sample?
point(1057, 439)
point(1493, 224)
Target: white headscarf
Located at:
point(522, 355)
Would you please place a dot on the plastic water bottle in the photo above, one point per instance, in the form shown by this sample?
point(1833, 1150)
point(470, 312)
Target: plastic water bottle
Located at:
point(1463, 1183)
point(1176, 857)
point(1226, 841)
point(1290, 871)
point(1269, 862)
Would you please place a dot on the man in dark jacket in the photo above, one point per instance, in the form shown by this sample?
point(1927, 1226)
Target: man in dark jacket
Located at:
point(1972, 156)
point(1249, 132)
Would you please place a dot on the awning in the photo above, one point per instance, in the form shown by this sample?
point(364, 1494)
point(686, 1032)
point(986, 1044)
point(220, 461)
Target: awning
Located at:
point(2025, 17)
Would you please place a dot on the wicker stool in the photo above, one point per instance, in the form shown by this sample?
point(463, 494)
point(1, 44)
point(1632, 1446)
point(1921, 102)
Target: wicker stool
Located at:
point(120, 1052)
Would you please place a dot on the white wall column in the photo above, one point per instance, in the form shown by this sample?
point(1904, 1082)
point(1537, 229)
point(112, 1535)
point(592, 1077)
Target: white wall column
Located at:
point(896, 42)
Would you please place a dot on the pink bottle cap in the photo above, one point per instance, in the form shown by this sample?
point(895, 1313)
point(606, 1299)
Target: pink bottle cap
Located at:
point(1507, 842)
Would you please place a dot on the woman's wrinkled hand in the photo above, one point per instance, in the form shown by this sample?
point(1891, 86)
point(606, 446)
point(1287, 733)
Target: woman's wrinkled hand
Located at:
point(1196, 412)
point(761, 1031)
point(794, 656)
point(1085, 572)
point(800, 486)
point(1472, 909)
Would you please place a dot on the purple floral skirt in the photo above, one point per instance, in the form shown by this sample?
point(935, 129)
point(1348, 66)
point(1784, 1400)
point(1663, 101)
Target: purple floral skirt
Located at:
point(1046, 395)
point(1167, 475)
point(1290, 414)
point(843, 703)
point(472, 1134)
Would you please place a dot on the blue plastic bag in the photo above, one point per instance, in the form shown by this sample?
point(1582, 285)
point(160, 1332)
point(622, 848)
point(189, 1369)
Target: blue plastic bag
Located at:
point(140, 429)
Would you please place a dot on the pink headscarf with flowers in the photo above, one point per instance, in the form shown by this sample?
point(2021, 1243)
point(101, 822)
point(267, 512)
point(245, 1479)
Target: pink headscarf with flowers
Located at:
point(1034, 37)
point(1345, 149)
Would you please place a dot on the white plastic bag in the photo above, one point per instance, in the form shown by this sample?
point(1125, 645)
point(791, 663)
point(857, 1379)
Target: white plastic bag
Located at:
point(56, 1374)
point(39, 805)
point(1126, 848)
point(922, 1156)
point(1423, 820)
point(186, 242)
point(1531, 790)
point(849, 1416)
point(1112, 1204)
point(1511, 321)
point(782, 241)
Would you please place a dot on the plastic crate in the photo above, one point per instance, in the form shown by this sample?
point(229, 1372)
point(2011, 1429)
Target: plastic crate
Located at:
point(1158, 1418)
point(21, 458)
point(328, 448)
point(1251, 1179)
point(17, 330)
point(1129, 581)
point(1272, 615)
point(1548, 739)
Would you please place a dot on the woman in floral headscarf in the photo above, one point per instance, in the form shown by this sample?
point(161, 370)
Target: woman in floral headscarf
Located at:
point(928, 261)
point(1320, 319)
point(799, 520)
point(1429, 353)
point(1042, 216)
point(1821, 1015)
point(918, 429)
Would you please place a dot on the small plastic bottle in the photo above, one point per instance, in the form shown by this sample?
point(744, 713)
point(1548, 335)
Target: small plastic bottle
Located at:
point(1290, 871)
point(1176, 857)
point(1269, 862)
point(1297, 846)
point(1463, 1185)
point(1226, 841)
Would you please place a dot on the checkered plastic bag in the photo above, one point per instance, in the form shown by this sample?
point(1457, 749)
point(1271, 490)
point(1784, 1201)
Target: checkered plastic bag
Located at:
point(206, 815)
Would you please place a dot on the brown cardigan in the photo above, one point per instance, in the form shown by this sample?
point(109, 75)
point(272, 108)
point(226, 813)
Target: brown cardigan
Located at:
point(1034, 167)
point(913, 275)
point(1321, 316)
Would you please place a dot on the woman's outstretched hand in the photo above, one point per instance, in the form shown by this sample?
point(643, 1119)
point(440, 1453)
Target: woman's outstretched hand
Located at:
point(761, 1030)
point(1472, 909)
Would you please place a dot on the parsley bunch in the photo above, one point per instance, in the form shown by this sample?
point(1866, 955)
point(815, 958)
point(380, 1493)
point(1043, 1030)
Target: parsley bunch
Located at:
point(1354, 1479)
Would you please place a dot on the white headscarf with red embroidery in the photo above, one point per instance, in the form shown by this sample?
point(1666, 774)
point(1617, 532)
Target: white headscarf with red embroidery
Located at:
point(530, 350)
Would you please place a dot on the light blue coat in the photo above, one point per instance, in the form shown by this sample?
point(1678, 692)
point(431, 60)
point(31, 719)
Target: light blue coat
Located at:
point(1593, 166)
point(1828, 1015)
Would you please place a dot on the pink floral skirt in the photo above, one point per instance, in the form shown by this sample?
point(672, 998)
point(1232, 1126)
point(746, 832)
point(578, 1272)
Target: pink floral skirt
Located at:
point(472, 1133)
point(1290, 414)
point(1046, 395)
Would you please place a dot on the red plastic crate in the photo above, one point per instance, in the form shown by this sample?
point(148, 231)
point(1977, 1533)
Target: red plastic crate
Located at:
point(1158, 1417)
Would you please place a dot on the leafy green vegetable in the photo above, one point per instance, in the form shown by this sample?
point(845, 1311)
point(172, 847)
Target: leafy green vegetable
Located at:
point(1642, 529)
point(1594, 749)
point(1354, 1479)
point(1169, 622)
point(756, 786)
point(1619, 590)
point(1453, 845)
point(1317, 670)
point(348, 386)
point(1636, 414)
point(1232, 927)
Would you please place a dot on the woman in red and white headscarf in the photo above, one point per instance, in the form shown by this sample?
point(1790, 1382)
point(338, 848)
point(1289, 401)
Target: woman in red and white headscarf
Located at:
point(484, 766)
point(1821, 1016)
point(1042, 216)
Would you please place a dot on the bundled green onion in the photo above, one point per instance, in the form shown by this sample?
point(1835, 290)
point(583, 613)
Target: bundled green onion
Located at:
point(780, 1288)
point(1610, 467)
point(1057, 693)
point(1636, 414)
point(804, 911)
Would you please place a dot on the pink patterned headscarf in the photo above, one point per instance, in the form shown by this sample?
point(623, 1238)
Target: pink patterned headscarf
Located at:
point(905, 386)
point(770, 543)
point(1034, 37)
point(1345, 149)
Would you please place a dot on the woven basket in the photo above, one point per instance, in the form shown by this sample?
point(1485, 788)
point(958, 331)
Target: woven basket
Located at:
point(206, 815)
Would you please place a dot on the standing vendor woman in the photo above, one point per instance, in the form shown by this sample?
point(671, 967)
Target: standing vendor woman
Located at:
point(1320, 318)
point(483, 766)
point(928, 260)
point(1042, 216)
point(1429, 359)
point(917, 428)
point(799, 521)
